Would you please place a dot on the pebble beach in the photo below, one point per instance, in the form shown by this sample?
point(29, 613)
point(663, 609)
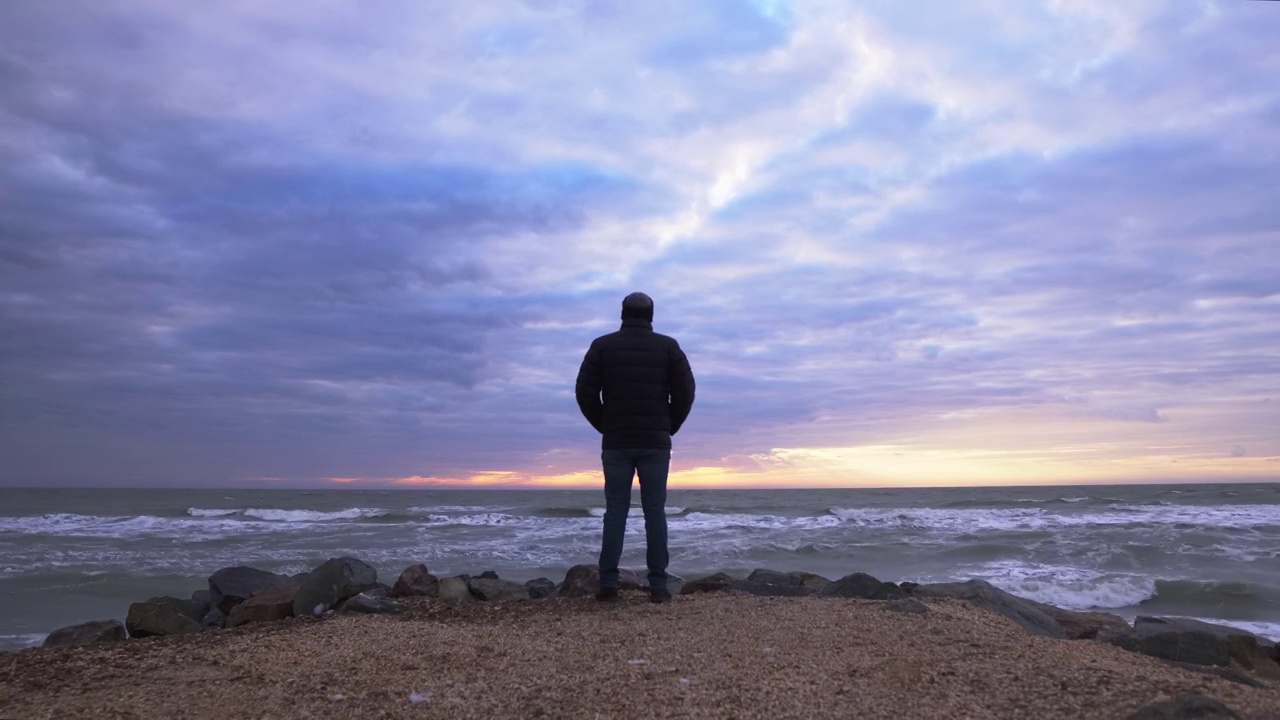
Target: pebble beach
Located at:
point(718, 655)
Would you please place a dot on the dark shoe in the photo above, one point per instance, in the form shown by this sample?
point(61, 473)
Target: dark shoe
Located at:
point(607, 594)
point(660, 596)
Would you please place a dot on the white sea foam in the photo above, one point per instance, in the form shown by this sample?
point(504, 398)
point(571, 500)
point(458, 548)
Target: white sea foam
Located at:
point(436, 509)
point(276, 515)
point(22, 640)
point(669, 510)
point(211, 512)
point(970, 519)
point(1268, 630)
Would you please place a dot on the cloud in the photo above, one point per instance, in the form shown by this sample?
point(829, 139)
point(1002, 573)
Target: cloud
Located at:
point(246, 240)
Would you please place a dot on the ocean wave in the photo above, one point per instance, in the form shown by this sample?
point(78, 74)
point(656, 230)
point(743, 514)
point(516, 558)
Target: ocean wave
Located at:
point(138, 526)
point(953, 519)
point(276, 515)
point(285, 515)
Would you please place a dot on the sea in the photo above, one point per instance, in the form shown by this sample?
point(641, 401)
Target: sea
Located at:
point(1203, 551)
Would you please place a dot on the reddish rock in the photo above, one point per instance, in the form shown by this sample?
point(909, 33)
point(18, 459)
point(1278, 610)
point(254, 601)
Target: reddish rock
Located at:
point(264, 606)
point(415, 581)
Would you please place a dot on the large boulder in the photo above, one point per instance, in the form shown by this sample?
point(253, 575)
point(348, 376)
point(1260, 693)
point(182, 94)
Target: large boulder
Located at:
point(415, 581)
point(718, 582)
point(774, 583)
point(231, 586)
point(265, 606)
point(193, 609)
point(95, 631)
point(1186, 707)
point(1086, 625)
point(540, 588)
point(862, 585)
point(366, 604)
point(983, 594)
point(494, 589)
point(455, 588)
point(580, 581)
point(1202, 643)
point(158, 617)
point(331, 583)
point(213, 620)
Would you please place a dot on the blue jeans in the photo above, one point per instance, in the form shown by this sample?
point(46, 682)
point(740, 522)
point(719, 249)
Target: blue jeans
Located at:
point(620, 467)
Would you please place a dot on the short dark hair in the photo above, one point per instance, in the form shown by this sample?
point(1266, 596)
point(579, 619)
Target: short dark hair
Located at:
point(637, 305)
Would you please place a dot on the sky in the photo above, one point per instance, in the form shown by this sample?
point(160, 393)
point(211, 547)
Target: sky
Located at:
point(346, 244)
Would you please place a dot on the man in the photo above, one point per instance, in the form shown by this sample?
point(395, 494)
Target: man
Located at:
point(635, 387)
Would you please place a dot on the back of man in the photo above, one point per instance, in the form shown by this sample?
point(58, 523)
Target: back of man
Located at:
point(636, 388)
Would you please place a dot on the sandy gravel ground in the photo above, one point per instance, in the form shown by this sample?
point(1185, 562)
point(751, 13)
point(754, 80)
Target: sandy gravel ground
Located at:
point(710, 656)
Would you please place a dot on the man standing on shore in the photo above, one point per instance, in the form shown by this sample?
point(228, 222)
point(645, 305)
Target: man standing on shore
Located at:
point(636, 388)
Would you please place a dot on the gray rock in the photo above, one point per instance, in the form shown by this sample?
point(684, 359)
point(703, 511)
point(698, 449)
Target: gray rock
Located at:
point(633, 579)
point(331, 583)
point(379, 590)
point(88, 633)
point(580, 581)
point(1201, 643)
point(718, 582)
point(415, 581)
point(862, 585)
point(540, 588)
point(148, 619)
point(204, 598)
point(983, 594)
point(493, 589)
point(367, 604)
point(1186, 707)
point(907, 606)
point(213, 620)
point(265, 606)
point(488, 575)
point(1085, 625)
point(778, 584)
point(231, 586)
point(455, 588)
point(193, 609)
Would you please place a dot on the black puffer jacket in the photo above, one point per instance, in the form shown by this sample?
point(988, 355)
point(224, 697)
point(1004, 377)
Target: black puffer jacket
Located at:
point(635, 386)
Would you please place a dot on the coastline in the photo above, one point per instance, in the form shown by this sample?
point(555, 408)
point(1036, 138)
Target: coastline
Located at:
point(722, 654)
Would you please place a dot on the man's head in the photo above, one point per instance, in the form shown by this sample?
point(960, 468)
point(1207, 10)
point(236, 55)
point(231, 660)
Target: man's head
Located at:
point(637, 305)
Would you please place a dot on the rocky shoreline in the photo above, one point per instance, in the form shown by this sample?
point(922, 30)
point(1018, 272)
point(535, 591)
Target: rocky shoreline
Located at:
point(243, 596)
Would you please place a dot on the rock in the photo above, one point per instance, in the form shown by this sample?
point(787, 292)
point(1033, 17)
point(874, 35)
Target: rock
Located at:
point(862, 585)
point(367, 604)
point(633, 579)
point(494, 589)
point(1084, 625)
point(455, 588)
point(907, 606)
point(540, 588)
point(718, 582)
point(774, 583)
point(379, 590)
point(1202, 643)
point(415, 581)
point(203, 597)
point(983, 594)
point(1186, 707)
point(265, 606)
point(147, 619)
point(95, 631)
point(488, 575)
point(213, 620)
point(193, 609)
point(331, 583)
point(231, 586)
point(580, 581)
